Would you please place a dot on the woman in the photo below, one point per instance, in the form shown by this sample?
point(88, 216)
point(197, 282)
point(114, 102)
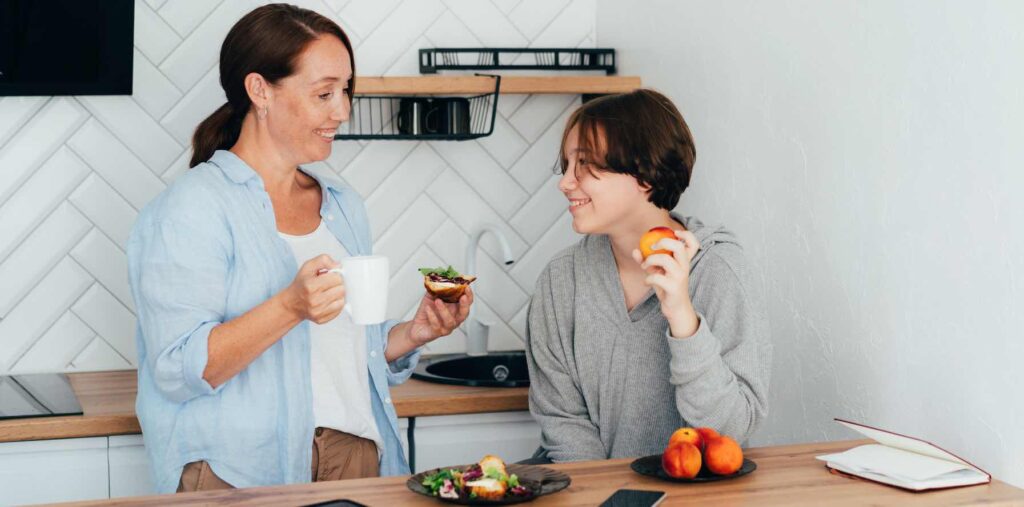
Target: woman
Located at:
point(249, 374)
point(623, 350)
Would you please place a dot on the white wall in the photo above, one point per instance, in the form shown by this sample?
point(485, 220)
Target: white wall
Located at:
point(870, 155)
point(74, 171)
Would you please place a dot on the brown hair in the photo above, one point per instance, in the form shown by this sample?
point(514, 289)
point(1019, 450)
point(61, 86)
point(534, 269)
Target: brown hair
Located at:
point(641, 134)
point(267, 41)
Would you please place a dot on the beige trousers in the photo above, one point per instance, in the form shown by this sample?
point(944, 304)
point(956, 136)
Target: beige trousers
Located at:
point(336, 456)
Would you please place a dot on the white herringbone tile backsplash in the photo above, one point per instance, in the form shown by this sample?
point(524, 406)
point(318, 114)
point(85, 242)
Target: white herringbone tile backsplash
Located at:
point(74, 171)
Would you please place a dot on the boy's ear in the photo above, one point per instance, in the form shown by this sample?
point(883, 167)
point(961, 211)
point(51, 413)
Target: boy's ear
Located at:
point(644, 187)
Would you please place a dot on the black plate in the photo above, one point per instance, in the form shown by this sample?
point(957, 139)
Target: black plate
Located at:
point(651, 465)
point(540, 480)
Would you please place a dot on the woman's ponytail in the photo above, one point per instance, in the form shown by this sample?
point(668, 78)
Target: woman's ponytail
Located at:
point(219, 131)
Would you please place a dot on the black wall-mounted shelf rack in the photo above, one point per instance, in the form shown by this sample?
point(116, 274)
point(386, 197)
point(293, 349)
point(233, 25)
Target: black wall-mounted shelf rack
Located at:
point(575, 59)
point(377, 117)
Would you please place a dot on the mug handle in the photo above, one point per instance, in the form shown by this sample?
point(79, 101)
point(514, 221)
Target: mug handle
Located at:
point(431, 112)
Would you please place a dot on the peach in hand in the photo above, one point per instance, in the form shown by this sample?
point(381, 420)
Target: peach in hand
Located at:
point(651, 237)
point(681, 460)
point(723, 456)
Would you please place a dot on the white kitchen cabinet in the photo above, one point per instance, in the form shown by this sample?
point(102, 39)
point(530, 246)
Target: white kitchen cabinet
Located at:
point(47, 471)
point(459, 439)
point(95, 468)
point(130, 473)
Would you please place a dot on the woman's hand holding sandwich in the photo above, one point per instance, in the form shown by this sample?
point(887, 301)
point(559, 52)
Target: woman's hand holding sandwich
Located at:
point(434, 318)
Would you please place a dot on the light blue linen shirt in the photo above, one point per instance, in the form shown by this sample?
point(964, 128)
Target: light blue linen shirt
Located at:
point(203, 252)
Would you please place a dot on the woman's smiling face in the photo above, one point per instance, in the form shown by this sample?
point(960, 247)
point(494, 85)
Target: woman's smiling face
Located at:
point(311, 104)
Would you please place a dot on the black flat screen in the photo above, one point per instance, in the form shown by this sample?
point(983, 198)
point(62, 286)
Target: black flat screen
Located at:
point(66, 47)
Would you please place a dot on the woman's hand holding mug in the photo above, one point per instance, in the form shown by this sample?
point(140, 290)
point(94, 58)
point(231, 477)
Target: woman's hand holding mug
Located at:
point(314, 296)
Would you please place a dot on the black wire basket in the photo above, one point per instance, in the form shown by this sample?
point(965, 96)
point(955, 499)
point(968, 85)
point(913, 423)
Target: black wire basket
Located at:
point(575, 59)
point(422, 117)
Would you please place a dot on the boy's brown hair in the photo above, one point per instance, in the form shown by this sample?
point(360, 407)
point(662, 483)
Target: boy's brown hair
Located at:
point(641, 134)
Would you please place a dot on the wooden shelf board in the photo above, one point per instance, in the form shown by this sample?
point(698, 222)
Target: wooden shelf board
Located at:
point(406, 85)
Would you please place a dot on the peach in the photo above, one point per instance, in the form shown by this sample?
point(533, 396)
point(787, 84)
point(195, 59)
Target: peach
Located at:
point(723, 456)
point(706, 434)
point(681, 460)
point(688, 435)
point(651, 237)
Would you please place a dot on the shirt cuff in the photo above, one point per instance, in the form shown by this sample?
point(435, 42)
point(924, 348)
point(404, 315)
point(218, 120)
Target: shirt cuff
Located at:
point(694, 355)
point(400, 369)
point(194, 359)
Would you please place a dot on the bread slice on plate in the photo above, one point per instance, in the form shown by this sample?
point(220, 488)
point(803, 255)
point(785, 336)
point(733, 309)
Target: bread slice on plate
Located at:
point(487, 489)
point(492, 462)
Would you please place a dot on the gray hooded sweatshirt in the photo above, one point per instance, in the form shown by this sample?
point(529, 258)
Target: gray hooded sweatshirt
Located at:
point(607, 383)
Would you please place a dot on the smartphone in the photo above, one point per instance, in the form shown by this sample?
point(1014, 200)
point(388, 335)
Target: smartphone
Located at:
point(634, 498)
point(344, 502)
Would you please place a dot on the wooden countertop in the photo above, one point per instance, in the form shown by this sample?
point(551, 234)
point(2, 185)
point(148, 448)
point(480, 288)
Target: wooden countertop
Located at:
point(786, 475)
point(108, 406)
point(459, 84)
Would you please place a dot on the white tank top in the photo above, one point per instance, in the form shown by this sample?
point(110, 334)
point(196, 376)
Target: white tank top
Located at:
point(338, 363)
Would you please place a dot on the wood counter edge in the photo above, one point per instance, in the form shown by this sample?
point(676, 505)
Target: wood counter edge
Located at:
point(73, 426)
point(412, 399)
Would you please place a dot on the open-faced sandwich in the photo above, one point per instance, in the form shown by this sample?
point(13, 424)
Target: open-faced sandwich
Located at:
point(446, 283)
point(486, 480)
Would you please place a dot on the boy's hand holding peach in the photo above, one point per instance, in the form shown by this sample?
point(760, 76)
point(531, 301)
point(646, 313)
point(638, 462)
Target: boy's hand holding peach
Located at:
point(665, 255)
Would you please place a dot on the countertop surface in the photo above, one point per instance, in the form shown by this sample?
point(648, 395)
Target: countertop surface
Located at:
point(108, 406)
point(786, 475)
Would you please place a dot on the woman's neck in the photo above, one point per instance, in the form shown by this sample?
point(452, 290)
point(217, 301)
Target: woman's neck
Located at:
point(256, 148)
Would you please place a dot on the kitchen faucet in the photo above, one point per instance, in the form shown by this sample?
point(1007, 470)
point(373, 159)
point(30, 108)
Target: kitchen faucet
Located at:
point(477, 331)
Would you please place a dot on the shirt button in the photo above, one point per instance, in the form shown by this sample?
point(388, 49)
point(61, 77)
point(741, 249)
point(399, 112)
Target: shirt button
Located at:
point(330, 217)
point(373, 353)
point(387, 400)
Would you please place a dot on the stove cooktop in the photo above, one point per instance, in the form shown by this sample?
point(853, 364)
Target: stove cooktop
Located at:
point(37, 395)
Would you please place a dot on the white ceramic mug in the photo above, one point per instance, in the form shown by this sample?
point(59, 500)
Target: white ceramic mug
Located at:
point(366, 287)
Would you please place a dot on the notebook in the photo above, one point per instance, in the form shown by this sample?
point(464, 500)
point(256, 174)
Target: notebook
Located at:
point(904, 462)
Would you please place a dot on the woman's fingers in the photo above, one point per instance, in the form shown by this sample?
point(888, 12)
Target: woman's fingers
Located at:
point(463, 309)
point(322, 282)
point(329, 312)
point(329, 296)
point(447, 320)
point(317, 265)
point(433, 319)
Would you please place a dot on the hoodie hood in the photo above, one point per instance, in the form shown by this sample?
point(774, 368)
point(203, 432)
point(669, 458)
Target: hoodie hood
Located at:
point(708, 236)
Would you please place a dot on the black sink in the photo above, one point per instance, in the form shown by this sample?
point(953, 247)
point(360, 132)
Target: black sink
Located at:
point(502, 369)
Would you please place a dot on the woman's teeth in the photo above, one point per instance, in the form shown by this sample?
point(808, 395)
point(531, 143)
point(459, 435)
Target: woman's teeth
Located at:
point(576, 203)
point(325, 133)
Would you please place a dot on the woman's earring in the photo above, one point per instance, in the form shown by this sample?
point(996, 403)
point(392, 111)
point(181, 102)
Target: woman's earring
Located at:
point(262, 113)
